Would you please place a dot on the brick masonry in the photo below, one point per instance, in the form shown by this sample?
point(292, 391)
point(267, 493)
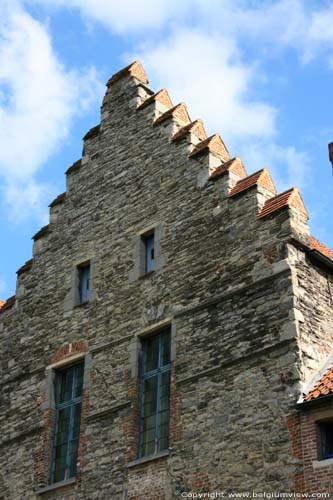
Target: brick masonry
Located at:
point(249, 303)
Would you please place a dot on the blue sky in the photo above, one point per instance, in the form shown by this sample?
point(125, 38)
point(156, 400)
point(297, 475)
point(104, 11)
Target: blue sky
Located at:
point(258, 72)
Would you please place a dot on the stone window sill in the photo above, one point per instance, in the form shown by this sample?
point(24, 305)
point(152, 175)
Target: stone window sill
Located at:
point(146, 275)
point(55, 486)
point(151, 458)
point(325, 462)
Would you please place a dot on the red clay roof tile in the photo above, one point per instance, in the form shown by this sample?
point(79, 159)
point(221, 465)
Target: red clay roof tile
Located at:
point(179, 111)
point(134, 69)
point(195, 128)
point(235, 165)
point(161, 96)
point(290, 198)
point(322, 388)
point(213, 144)
point(320, 247)
point(7, 304)
point(261, 178)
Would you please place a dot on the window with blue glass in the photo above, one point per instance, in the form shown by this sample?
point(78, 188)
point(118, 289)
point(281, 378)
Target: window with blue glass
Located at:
point(149, 243)
point(84, 282)
point(155, 394)
point(326, 440)
point(68, 386)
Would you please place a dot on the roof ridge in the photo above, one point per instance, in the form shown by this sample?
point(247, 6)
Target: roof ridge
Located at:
point(134, 69)
point(162, 92)
point(254, 180)
point(282, 200)
point(171, 112)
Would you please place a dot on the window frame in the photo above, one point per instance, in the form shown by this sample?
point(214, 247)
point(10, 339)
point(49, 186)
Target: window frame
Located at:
point(83, 269)
point(71, 403)
point(158, 372)
point(149, 242)
point(322, 431)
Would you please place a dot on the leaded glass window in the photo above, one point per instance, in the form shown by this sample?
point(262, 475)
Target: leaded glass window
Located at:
point(155, 394)
point(68, 387)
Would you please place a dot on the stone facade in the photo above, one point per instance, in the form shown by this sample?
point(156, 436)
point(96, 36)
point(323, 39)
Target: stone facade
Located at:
point(246, 293)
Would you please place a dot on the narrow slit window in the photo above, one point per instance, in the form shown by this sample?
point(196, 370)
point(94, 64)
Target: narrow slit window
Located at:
point(84, 283)
point(155, 394)
point(149, 242)
point(326, 440)
point(68, 387)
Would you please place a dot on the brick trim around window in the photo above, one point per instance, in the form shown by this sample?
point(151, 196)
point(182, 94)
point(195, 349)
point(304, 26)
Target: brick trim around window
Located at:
point(66, 355)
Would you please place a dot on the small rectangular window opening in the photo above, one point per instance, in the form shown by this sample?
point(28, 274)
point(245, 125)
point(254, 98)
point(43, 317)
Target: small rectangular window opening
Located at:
point(155, 394)
point(68, 387)
point(149, 242)
point(326, 440)
point(84, 282)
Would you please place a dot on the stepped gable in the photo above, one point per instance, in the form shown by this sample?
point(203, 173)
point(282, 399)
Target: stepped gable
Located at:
point(179, 111)
point(235, 166)
point(134, 69)
point(73, 168)
point(290, 198)
point(321, 248)
point(161, 96)
point(8, 304)
point(261, 178)
point(195, 128)
point(25, 267)
point(322, 388)
point(59, 199)
point(93, 132)
point(42, 232)
point(214, 145)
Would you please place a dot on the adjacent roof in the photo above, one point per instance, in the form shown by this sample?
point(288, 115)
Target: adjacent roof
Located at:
point(320, 247)
point(322, 388)
point(134, 69)
point(261, 178)
point(290, 198)
point(7, 304)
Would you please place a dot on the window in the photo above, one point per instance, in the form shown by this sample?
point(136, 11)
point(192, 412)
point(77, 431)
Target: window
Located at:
point(155, 392)
point(149, 243)
point(326, 440)
point(84, 282)
point(68, 386)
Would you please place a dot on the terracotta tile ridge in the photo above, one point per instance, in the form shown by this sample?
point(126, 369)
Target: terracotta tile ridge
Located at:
point(322, 388)
point(8, 304)
point(59, 199)
point(209, 144)
point(25, 267)
point(276, 203)
point(173, 113)
point(191, 128)
point(320, 247)
point(226, 167)
point(246, 183)
point(93, 132)
point(135, 69)
point(161, 95)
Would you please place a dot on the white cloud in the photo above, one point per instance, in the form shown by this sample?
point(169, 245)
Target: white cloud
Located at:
point(126, 15)
point(205, 70)
point(38, 100)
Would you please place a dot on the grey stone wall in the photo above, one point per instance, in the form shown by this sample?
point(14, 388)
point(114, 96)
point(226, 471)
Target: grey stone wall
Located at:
point(226, 283)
